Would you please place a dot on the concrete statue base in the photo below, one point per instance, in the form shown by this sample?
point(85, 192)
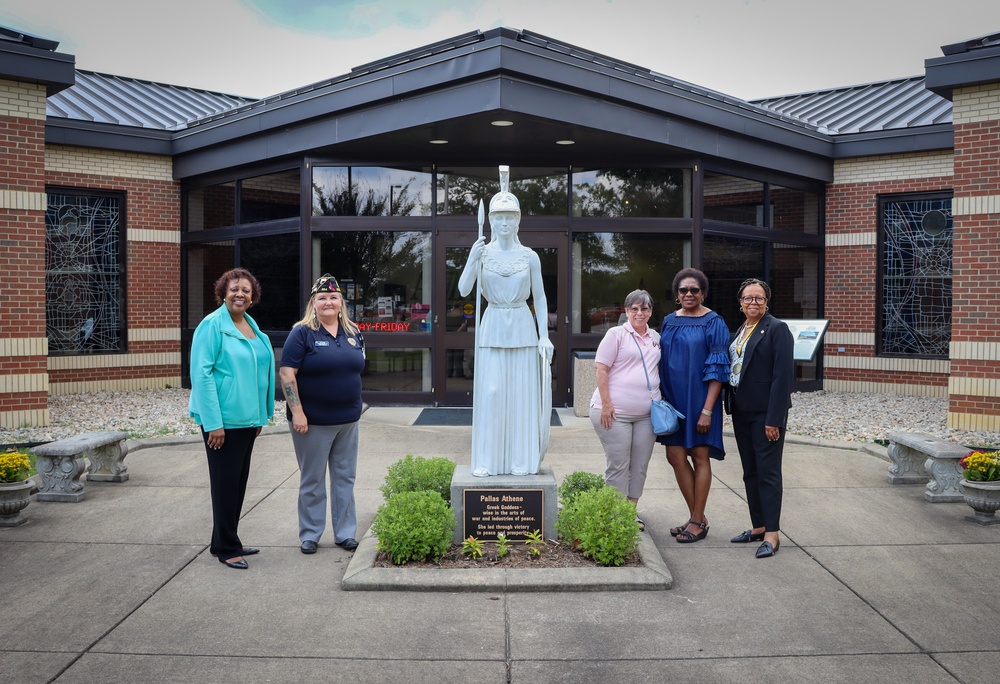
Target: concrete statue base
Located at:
point(508, 504)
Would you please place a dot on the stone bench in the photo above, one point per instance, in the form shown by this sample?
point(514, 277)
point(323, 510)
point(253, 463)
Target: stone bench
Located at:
point(917, 457)
point(60, 464)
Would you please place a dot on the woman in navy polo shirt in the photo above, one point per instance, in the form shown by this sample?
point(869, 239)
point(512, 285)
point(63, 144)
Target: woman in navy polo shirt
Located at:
point(320, 372)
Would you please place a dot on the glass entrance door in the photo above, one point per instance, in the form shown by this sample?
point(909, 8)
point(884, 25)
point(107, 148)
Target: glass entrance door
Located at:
point(454, 325)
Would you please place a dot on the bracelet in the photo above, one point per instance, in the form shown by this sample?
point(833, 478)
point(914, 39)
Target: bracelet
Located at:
point(706, 412)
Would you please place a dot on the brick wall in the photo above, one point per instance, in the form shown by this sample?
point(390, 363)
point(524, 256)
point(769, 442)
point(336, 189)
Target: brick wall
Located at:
point(152, 269)
point(974, 386)
point(24, 380)
point(852, 269)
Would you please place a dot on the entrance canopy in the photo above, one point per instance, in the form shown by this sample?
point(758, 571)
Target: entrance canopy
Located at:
point(547, 91)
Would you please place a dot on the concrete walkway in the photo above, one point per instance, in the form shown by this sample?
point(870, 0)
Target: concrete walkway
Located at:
point(872, 584)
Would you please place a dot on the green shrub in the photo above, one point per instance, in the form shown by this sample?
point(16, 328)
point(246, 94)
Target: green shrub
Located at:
point(414, 526)
point(601, 522)
point(578, 482)
point(419, 474)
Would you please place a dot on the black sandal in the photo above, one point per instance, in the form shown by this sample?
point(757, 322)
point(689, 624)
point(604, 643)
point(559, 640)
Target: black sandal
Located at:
point(674, 531)
point(685, 537)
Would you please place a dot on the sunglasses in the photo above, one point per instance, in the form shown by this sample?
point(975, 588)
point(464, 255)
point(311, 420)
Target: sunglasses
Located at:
point(692, 290)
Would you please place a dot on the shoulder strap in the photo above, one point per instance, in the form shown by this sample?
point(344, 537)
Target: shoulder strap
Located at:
point(642, 357)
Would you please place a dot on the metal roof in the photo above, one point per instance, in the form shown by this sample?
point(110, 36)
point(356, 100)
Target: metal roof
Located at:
point(105, 98)
point(521, 36)
point(885, 105)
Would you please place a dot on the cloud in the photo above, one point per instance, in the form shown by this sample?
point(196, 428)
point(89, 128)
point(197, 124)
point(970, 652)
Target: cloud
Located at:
point(355, 19)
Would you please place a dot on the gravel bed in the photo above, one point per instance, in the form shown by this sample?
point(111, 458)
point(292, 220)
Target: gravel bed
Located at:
point(830, 415)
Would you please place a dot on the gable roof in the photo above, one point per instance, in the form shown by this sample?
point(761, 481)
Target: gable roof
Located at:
point(454, 89)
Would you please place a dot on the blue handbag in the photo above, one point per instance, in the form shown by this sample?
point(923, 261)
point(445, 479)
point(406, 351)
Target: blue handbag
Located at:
point(664, 417)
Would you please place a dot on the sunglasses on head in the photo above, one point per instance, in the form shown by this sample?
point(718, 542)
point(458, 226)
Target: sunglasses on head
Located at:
point(692, 290)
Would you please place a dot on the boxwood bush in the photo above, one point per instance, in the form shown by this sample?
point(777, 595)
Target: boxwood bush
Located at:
point(577, 482)
point(418, 474)
point(601, 523)
point(414, 526)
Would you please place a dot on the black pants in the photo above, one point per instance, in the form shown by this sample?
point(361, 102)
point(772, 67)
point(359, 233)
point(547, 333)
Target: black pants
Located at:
point(228, 471)
point(761, 469)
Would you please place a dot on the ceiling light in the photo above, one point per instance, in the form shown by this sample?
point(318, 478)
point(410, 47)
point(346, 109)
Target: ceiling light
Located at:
point(438, 141)
point(501, 123)
point(565, 142)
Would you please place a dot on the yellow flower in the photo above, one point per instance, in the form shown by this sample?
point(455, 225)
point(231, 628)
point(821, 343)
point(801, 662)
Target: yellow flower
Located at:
point(14, 467)
point(981, 465)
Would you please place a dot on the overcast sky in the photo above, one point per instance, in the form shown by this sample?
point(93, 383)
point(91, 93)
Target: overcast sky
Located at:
point(745, 48)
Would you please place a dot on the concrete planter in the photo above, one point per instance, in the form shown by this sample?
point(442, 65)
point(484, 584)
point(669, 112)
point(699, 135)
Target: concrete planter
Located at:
point(984, 498)
point(14, 498)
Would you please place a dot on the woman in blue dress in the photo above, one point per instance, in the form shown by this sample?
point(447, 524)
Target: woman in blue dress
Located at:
point(694, 364)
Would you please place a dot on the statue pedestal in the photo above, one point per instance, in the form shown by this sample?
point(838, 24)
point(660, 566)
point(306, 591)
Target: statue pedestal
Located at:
point(503, 504)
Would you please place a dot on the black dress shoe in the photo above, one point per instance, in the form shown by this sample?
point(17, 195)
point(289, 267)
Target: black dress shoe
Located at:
point(348, 544)
point(747, 536)
point(766, 550)
point(308, 546)
point(247, 551)
point(241, 564)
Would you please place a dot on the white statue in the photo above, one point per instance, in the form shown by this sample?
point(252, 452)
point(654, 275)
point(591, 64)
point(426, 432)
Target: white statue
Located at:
point(512, 386)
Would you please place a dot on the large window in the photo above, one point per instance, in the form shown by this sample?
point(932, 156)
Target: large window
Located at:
point(205, 263)
point(915, 252)
point(632, 193)
point(84, 272)
point(211, 207)
point(386, 276)
point(795, 210)
point(607, 266)
point(370, 191)
point(271, 197)
point(273, 260)
point(539, 191)
point(734, 200)
point(728, 262)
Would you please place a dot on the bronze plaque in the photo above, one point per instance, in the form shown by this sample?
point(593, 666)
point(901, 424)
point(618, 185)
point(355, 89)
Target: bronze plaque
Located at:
point(512, 512)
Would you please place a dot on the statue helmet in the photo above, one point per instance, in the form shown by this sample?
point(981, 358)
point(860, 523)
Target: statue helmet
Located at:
point(505, 200)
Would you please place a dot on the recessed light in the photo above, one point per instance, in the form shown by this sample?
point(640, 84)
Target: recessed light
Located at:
point(565, 142)
point(501, 123)
point(438, 141)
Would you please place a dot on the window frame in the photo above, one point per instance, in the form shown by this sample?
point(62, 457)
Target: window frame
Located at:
point(122, 265)
point(882, 202)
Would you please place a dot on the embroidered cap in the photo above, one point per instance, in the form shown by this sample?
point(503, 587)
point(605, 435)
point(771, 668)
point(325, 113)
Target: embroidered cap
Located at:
point(326, 283)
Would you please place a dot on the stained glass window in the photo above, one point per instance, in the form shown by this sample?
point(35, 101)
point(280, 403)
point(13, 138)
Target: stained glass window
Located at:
point(84, 272)
point(915, 288)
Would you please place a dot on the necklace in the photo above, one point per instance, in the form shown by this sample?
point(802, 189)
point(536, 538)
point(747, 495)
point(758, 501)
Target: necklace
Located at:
point(744, 335)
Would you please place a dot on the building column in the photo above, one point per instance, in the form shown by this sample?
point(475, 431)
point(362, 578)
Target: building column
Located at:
point(24, 380)
point(974, 386)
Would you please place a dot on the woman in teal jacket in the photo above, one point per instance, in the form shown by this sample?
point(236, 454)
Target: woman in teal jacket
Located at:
point(232, 398)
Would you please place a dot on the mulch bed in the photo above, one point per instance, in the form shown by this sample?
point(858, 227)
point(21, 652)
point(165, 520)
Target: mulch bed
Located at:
point(554, 555)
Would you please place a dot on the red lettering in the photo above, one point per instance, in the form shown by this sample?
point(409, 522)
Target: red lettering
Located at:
point(384, 327)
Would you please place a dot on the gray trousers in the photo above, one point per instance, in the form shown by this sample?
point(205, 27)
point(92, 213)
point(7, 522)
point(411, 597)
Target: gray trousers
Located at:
point(323, 448)
point(628, 446)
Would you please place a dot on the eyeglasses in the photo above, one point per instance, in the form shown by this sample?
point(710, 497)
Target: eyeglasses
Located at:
point(637, 310)
point(751, 300)
point(692, 290)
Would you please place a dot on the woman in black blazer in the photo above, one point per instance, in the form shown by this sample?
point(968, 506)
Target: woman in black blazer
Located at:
point(762, 372)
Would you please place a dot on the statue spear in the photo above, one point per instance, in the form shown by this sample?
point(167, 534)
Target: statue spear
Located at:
point(479, 280)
